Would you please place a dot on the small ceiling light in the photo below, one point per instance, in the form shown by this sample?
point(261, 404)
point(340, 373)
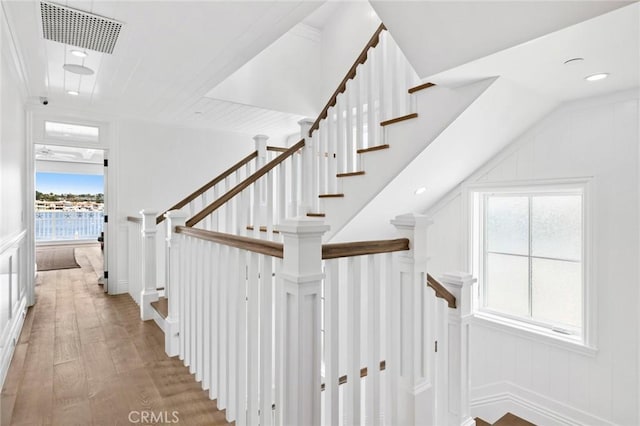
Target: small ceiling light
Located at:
point(573, 61)
point(420, 190)
point(79, 53)
point(73, 92)
point(77, 69)
point(596, 77)
point(198, 112)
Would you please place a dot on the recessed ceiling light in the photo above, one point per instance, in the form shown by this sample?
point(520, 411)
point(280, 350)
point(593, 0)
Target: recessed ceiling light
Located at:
point(79, 53)
point(596, 77)
point(73, 92)
point(420, 190)
point(77, 69)
point(198, 112)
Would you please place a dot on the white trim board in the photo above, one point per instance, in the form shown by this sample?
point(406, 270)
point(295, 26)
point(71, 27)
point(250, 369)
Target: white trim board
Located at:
point(490, 402)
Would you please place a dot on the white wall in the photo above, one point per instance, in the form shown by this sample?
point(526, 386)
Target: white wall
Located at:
point(281, 77)
point(15, 283)
point(12, 145)
point(343, 38)
point(592, 138)
point(158, 165)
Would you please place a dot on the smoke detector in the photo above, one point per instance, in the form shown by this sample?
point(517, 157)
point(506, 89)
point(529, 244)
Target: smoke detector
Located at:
point(78, 28)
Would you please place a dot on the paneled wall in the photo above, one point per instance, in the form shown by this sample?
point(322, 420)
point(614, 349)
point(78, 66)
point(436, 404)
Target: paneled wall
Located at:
point(551, 384)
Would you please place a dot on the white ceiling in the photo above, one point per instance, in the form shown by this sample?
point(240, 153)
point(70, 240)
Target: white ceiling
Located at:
point(168, 56)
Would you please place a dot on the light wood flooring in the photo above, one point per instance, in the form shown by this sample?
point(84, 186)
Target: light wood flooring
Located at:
point(86, 358)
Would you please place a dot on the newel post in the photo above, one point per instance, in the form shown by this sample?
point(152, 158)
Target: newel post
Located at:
point(308, 194)
point(172, 252)
point(301, 279)
point(260, 215)
point(460, 284)
point(413, 401)
point(149, 292)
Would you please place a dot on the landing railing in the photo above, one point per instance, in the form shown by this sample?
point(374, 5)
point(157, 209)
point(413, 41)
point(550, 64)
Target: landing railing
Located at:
point(297, 332)
point(57, 225)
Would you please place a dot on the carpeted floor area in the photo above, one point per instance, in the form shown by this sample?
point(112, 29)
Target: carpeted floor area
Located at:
point(54, 258)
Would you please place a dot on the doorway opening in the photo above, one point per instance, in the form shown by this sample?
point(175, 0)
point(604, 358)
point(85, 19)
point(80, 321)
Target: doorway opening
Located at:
point(69, 204)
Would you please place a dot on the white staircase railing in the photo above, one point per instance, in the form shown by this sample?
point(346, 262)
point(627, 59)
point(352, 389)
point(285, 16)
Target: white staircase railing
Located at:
point(277, 335)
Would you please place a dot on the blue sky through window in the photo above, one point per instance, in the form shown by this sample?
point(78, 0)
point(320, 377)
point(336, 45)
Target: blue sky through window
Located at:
point(64, 183)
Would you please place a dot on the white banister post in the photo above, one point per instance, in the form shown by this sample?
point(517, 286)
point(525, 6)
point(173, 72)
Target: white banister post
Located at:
point(460, 284)
point(307, 200)
point(260, 215)
point(301, 279)
point(414, 391)
point(149, 253)
point(172, 249)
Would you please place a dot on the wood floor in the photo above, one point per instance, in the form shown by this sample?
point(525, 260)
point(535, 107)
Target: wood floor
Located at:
point(85, 358)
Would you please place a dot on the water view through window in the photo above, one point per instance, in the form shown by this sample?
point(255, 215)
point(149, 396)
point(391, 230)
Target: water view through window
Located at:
point(68, 206)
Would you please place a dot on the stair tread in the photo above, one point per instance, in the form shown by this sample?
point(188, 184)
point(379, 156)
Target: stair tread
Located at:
point(510, 419)
point(399, 119)
point(480, 422)
point(360, 173)
point(262, 229)
point(316, 214)
point(338, 195)
point(373, 148)
point(161, 306)
point(420, 87)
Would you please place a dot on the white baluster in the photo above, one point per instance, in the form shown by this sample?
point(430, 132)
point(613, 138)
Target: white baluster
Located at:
point(149, 292)
point(374, 311)
point(302, 275)
point(233, 333)
point(174, 282)
point(352, 87)
point(279, 303)
point(323, 158)
point(308, 194)
point(213, 301)
point(193, 300)
point(223, 306)
point(332, 135)
point(341, 132)
point(331, 343)
point(241, 312)
point(266, 334)
point(315, 173)
point(372, 97)
point(252, 340)
point(353, 389)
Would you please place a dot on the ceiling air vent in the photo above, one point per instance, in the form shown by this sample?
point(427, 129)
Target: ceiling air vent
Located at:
point(78, 28)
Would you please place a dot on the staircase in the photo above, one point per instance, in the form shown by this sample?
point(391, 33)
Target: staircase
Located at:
point(275, 321)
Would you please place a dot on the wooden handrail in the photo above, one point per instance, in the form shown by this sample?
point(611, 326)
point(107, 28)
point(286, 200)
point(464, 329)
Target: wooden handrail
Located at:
point(134, 219)
point(208, 185)
point(441, 291)
point(255, 245)
point(277, 148)
point(361, 248)
point(243, 185)
point(373, 42)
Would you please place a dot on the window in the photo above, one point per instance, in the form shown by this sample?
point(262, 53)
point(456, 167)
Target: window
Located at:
point(57, 130)
point(530, 257)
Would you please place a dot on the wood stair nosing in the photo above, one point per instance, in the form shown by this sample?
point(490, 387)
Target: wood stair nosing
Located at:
point(341, 175)
point(315, 214)
point(399, 119)
point(420, 87)
point(262, 229)
point(340, 195)
point(161, 306)
point(373, 148)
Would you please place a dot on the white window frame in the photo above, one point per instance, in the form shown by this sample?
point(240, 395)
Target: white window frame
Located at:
point(583, 342)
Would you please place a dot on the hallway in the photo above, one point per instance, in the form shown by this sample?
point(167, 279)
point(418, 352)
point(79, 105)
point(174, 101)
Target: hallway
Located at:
point(86, 358)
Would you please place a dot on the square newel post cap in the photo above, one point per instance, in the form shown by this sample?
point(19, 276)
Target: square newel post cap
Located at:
point(305, 124)
point(148, 220)
point(303, 226)
point(411, 221)
point(458, 279)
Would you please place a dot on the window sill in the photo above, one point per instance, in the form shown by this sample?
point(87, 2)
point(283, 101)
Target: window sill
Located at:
point(533, 332)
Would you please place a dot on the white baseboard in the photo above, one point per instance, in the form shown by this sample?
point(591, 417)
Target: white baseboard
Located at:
point(490, 402)
point(11, 339)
